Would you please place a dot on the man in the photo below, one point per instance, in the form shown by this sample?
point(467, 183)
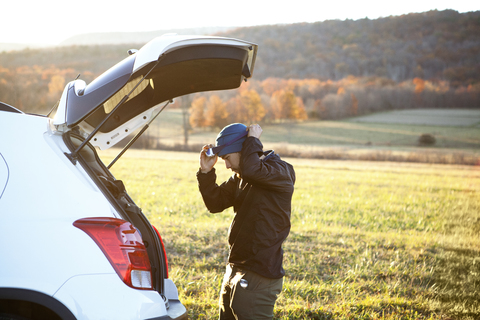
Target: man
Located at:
point(260, 192)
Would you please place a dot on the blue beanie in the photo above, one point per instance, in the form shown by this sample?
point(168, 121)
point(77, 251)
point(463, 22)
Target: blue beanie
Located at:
point(228, 134)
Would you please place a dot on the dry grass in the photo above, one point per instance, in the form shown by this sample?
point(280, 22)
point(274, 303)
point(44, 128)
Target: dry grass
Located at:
point(369, 240)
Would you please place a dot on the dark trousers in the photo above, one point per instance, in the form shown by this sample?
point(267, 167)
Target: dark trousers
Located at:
point(247, 295)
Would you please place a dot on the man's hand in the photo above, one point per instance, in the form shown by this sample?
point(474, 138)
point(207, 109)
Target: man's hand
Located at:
point(207, 163)
point(254, 130)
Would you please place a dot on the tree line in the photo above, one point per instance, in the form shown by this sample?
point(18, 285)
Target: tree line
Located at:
point(277, 99)
point(434, 45)
point(324, 70)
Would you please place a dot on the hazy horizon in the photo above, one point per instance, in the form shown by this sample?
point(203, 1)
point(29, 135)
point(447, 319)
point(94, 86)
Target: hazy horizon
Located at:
point(53, 21)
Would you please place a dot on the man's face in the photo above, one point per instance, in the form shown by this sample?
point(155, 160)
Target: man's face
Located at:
point(232, 161)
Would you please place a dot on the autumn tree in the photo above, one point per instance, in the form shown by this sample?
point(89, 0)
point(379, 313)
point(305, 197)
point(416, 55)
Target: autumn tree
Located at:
point(185, 103)
point(270, 85)
point(285, 105)
point(247, 107)
point(419, 88)
point(56, 85)
point(197, 112)
point(419, 85)
point(216, 112)
point(354, 104)
point(319, 110)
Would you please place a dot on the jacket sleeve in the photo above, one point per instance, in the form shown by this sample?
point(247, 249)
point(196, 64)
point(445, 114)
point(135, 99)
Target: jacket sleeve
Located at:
point(216, 197)
point(274, 173)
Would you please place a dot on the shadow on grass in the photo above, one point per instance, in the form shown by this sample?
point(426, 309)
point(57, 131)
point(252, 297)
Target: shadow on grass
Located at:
point(360, 312)
point(391, 310)
point(303, 313)
point(457, 281)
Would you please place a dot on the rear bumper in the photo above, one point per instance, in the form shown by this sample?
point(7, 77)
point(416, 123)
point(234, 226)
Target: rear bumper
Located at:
point(176, 311)
point(105, 296)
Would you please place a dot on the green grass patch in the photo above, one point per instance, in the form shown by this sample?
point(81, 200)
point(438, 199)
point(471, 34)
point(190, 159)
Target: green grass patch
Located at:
point(368, 240)
point(380, 137)
point(382, 130)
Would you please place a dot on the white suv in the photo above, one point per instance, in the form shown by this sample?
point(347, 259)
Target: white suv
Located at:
point(73, 243)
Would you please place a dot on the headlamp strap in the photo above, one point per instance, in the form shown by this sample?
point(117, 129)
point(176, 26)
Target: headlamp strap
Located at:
point(220, 148)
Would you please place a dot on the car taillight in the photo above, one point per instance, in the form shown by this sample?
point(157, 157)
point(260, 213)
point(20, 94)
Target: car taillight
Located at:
point(123, 246)
point(163, 249)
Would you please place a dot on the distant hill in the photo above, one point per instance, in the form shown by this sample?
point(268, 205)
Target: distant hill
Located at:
point(5, 47)
point(427, 60)
point(135, 37)
point(436, 45)
point(113, 38)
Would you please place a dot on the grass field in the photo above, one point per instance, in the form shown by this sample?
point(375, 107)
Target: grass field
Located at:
point(389, 136)
point(369, 240)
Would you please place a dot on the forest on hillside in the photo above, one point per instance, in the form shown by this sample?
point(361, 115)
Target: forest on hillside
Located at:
point(323, 70)
point(435, 45)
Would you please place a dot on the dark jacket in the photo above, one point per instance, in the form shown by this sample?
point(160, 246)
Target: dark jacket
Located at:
point(261, 199)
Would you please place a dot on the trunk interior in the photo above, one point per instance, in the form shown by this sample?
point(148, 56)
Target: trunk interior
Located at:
point(115, 192)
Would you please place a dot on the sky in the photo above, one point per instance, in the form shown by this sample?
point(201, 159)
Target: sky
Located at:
point(52, 21)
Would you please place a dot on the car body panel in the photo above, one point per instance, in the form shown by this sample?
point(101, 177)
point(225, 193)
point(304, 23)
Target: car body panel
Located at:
point(82, 279)
point(4, 173)
point(35, 162)
point(30, 157)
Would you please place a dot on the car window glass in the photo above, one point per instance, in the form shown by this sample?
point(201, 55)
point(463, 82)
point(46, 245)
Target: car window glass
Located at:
point(111, 103)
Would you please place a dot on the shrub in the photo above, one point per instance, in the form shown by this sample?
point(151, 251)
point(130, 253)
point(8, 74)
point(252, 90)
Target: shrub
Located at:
point(426, 139)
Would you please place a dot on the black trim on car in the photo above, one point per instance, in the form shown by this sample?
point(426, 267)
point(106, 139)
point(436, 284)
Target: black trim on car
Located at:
point(103, 87)
point(197, 68)
point(39, 298)
point(8, 108)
